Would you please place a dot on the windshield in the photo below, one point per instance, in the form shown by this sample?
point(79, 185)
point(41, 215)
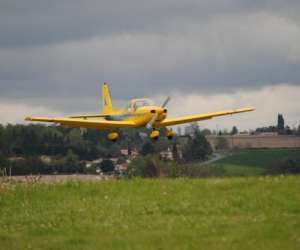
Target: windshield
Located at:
point(142, 103)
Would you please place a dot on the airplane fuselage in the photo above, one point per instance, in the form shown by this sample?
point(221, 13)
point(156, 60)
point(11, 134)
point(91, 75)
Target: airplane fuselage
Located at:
point(141, 116)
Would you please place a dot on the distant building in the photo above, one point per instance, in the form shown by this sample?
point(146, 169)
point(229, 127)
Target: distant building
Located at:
point(166, 154)
point(122, 167)
point(46, 159)
point(266, 133)
point(261, 140)
point(125, 153)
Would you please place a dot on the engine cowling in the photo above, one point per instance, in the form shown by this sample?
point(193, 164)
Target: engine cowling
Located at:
point(154, 135)
point(113, 136)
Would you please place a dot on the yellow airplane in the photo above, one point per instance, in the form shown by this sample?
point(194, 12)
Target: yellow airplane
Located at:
point(138, 113)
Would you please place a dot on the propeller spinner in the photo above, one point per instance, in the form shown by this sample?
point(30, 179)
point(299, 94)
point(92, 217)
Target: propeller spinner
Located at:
point(155, 116)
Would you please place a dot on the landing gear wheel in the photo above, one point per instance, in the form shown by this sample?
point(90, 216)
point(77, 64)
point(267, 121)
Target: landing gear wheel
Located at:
point(113, 136)
point(154, 135)
point(170, 133)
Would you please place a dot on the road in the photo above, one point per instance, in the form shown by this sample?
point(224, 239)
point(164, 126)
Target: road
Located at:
point(216, 157)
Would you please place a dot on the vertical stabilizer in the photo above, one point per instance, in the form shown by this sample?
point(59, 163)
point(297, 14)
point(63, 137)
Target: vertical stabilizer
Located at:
point(106, 99)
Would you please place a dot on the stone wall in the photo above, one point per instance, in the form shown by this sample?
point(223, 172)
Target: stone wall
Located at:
point(255, 141)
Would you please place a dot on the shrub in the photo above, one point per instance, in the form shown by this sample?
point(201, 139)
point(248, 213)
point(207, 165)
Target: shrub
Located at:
point(197, 148)
point(147, 148)
point(152, 166)
point(107, 166)
point(284, 166)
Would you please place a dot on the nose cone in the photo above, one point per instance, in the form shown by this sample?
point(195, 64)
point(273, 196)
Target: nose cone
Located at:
point(162, 113)
point(157, 110)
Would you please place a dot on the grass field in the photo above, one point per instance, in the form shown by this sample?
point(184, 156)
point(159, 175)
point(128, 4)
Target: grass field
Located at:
point(228, 213)
point(254, 162)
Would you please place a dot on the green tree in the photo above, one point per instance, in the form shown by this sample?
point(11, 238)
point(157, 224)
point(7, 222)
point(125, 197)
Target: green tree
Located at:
point(147, 148)
point(107, 166)
point(71, 163)
point(288, 130)
point(151, 166)
point(92, 169)
point(30, 165)
point(143, 166)
point(284, 166)
point(206, 131)
point(4, 164)
point(280, 124)
point(175, 152)
point(234, 130)
point(3, 161)
point(198, 148)
point(191, 129)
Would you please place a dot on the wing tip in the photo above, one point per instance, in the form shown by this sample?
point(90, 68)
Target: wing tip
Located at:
point(39, 119)
point(250, 109)
point(246, 109)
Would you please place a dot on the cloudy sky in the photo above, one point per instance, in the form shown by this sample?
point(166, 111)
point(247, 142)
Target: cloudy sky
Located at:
point(208, 55)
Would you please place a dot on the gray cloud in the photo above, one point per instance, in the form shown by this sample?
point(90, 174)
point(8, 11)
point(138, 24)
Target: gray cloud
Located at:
point(56, 53)
point(36, 22)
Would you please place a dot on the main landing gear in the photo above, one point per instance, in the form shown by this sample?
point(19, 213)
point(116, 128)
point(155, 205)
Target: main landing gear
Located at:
point(154, 135)
point(113, 136)
point(170, 133)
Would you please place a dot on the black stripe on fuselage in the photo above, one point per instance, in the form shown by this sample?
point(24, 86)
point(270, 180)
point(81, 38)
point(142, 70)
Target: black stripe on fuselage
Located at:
point(121, 117)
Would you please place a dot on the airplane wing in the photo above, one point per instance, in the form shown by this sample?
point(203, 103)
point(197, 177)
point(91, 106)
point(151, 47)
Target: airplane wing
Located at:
point(84, 123)
point(200, 117)
point(88, 116)
point(114, 111)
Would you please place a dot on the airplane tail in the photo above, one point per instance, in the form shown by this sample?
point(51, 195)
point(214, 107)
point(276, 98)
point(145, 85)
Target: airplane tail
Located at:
point(106, 99)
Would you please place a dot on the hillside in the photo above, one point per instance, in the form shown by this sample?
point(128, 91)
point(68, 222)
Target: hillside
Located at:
point(255, 161)
point(228, 213)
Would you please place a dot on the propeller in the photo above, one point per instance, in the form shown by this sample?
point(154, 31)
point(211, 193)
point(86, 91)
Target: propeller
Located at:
point(154, 118)
point(166, 102)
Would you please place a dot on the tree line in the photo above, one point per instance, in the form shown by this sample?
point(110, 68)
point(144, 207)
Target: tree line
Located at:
point(21, 148)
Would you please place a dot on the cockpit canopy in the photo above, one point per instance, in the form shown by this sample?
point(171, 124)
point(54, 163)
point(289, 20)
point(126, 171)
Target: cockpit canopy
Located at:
point(138, 103)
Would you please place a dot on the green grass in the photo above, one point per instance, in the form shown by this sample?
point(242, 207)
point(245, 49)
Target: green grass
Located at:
point(238, 170)
point(229, 213)
point(258, 157)
point(254, 162)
